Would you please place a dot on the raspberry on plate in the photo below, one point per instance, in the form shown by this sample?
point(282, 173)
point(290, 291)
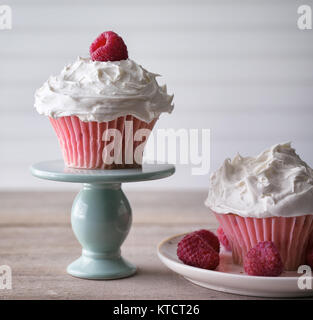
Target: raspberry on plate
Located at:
point(109, 46)
point(210, 238)
point(195, 251)
point(263, 260)
point(223, 239)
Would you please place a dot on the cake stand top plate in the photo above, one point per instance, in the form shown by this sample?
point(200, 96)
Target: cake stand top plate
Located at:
point(57, 171)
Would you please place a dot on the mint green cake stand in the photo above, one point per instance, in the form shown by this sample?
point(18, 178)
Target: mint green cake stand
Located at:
point(101, 214)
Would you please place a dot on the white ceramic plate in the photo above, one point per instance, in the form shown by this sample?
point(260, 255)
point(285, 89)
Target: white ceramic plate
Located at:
point(230, 277)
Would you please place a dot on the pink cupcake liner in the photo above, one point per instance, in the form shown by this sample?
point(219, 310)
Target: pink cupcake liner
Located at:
point(83, 143)
point(290, 235)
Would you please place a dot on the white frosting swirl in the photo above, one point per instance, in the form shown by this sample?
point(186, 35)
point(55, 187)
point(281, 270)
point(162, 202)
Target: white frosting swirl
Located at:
point(275, 183)
point(102, 91)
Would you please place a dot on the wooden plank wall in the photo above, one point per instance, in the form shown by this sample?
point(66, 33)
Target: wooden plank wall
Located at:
point(241, 68)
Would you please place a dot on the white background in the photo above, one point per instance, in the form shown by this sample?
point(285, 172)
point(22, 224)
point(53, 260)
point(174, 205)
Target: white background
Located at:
point(239, 67)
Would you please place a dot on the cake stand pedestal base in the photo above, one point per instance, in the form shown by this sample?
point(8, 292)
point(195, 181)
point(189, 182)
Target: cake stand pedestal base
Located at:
point(101, 267)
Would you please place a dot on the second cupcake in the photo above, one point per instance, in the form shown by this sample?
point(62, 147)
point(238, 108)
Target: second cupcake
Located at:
point(265, 198)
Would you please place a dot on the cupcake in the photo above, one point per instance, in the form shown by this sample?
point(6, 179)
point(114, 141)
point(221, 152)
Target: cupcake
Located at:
point(103, 108)
point(265, 198)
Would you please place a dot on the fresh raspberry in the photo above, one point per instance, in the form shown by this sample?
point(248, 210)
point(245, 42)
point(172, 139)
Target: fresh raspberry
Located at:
point(210, 238)
point(263, 260)
point(109, 46)
point(195, 251)
point(223, 239)
point(309, 257)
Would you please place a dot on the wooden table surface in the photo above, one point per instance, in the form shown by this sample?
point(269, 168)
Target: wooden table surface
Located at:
point(37, 242)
